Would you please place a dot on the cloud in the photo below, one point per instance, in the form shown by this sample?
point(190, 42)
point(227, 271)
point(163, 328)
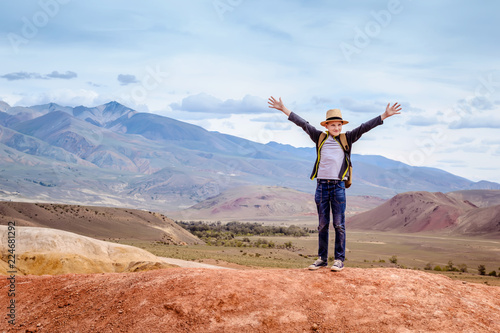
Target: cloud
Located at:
point(475, 104)
point(362, 107)
point(271, 119)
point(126, 79)
point(482, 103)
point(66, 76)
point(190, 116)
point(321, 101)
point(422, 121)
point(475, 122)
point(92, 84)
point(208, 104)
point(278, 126)
point(491, 141)
point(456, 163)
point(67, 97)
point(31, 76)
point(21, 76)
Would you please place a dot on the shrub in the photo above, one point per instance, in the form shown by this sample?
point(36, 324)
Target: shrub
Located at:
point(393, 259)
point(438, 268)
point(450, 267)
point(492, 273)
point(481, 269)
point(428, 267)
point(462, 268)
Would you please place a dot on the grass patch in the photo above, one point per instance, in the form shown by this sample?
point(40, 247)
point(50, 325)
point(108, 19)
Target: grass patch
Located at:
point(250, 257)
point(364, 250)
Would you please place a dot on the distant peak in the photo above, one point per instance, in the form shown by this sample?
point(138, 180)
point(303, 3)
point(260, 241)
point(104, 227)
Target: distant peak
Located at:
point(115, 104)
point(4, 106)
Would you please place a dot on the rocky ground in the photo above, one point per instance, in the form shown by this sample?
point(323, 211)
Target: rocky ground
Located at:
point(271, 300)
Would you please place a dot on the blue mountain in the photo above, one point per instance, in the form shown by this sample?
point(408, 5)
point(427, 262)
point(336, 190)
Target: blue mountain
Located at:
point(111, 153)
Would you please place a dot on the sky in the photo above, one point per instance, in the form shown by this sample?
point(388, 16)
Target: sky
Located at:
point(214, 63)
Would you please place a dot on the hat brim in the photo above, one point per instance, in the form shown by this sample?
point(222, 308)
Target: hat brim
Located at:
point(323, 123)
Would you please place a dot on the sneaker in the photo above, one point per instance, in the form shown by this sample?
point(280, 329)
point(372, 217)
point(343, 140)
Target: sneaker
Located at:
point(318, 264)
point(338, 265)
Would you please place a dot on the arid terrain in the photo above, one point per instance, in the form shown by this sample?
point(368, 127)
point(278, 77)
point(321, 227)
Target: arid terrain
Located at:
point(421, 211)
point(276, 300)
point(132, 290)
point(97, 222)
point(265, 203)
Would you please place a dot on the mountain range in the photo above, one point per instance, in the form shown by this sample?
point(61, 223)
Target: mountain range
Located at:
point(113, 155)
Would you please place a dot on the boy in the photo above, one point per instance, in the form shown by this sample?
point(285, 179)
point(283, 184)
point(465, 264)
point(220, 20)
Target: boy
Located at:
point(331, 169)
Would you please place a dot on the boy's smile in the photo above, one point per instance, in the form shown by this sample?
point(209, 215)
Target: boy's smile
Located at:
point(334, 127)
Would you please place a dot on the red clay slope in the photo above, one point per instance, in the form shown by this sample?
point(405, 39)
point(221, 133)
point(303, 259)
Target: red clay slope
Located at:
point(200, 300)
point(412, 212)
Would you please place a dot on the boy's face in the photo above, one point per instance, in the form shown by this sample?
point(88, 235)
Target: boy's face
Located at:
point(334, 127)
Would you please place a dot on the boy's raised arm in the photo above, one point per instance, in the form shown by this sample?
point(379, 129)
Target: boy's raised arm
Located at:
point(308, 128)
point(278, 105)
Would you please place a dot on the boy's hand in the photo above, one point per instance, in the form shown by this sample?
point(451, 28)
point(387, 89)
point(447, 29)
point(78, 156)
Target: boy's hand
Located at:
point(391, 110)
point(278, 105)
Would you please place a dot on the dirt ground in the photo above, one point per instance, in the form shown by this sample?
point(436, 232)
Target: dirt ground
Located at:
point(267, 300)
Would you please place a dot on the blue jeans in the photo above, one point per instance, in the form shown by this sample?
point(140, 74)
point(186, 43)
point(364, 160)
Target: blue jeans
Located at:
point(330, 194)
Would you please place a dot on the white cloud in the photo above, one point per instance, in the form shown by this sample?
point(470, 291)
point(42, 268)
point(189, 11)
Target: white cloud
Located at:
point(65, 97)
point(204, 103)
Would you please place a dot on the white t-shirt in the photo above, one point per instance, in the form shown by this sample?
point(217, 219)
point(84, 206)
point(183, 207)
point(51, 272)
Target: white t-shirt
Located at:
point(332, 157)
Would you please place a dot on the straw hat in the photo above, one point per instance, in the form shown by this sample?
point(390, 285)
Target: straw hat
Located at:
point(334, 115)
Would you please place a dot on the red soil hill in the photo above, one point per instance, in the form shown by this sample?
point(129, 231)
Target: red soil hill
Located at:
point(201, 300)
point(412, 212)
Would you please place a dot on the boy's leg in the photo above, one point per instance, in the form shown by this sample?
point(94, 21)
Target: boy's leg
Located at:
point(322, 198)
point(338, 212)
